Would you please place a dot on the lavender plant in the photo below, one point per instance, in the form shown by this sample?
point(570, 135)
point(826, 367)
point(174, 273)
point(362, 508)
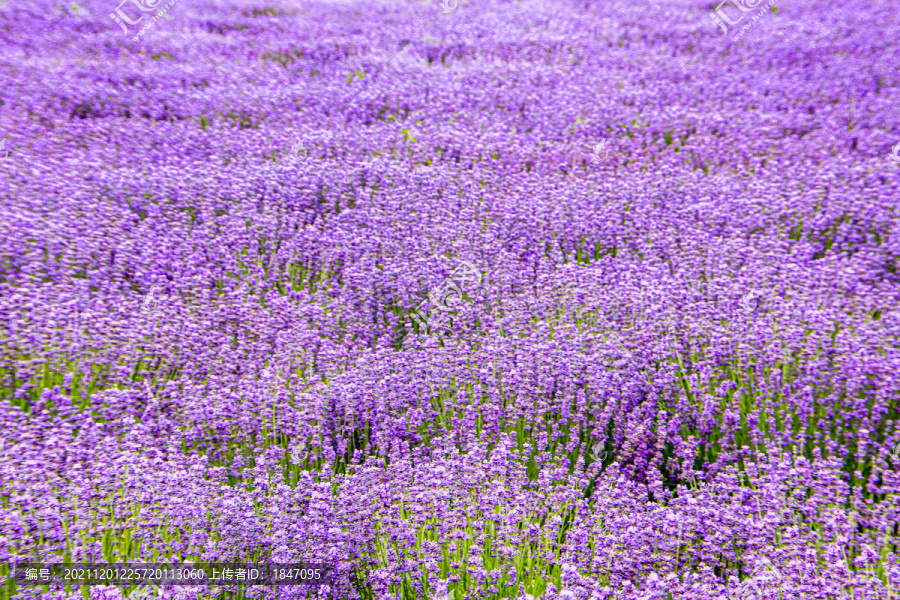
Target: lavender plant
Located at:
point(234, 324)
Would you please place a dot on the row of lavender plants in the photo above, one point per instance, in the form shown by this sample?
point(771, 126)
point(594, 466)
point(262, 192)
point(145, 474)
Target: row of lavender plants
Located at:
point(471, 299)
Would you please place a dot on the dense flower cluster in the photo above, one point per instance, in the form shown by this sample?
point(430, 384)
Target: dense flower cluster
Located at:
point(233, 325)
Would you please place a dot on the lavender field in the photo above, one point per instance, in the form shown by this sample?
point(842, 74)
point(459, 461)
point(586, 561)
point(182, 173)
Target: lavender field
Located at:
point(465, 299)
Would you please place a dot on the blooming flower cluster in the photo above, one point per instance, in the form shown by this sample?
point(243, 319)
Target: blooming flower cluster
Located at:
point(668, 369)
